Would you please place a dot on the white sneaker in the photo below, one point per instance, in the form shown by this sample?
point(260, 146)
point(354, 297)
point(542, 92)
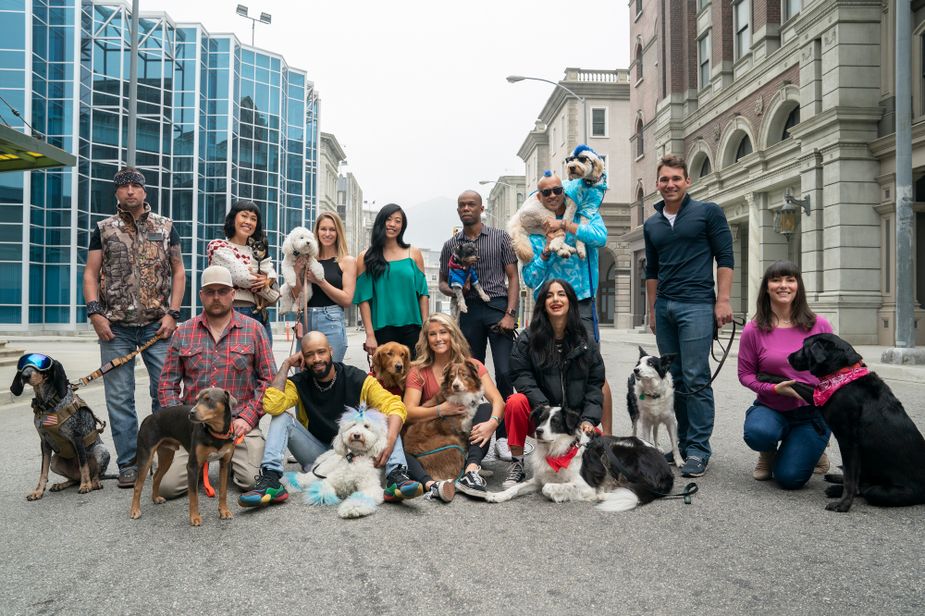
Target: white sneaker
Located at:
point(502, 449)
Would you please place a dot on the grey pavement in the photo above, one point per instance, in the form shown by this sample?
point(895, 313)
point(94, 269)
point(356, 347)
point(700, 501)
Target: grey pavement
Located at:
point(742, 546)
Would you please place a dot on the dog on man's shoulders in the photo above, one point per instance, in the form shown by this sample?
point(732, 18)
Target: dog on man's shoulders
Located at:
point(619, 473)
point(650, 400)
point(68, 430)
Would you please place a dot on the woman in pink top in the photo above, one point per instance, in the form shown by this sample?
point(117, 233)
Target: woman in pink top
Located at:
point(789, 434)
point(442, 343)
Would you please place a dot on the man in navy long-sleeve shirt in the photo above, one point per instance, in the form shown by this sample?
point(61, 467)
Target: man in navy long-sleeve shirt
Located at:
point(683, 238)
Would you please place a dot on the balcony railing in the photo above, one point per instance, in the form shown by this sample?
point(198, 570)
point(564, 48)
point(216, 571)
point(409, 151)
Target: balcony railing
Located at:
point(581, 75)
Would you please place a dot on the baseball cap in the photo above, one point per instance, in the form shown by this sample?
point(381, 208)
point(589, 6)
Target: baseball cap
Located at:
point(216, 274)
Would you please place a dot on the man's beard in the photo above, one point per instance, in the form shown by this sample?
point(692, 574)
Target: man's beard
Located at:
point(320, 370)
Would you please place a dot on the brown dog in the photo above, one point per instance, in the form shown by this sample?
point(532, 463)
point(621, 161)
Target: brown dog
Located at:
point(204, 431)
point(448, 434)
point(390, 366)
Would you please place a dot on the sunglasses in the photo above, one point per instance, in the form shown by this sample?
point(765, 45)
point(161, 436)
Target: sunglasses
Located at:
point(36, 360)
point(551, 191)
point(584, 160)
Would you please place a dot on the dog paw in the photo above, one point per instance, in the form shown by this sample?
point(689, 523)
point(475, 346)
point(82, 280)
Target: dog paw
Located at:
point(321, 494)
point(34, 496)
point(290, 480)
point(134, 513)
point(464, 309)
point(581, 252)
point(97, 484)
point(57, 487)
point(225, 514)
point(195, 520)
point(356, 506)
point(85, 488)
point(839, 507)
point(158, 500)
point(835, 491)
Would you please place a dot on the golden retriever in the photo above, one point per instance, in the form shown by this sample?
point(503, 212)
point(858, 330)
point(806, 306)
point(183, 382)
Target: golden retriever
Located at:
point(390, 366)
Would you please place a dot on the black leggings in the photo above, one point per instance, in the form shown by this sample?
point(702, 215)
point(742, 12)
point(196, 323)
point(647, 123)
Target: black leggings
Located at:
point(405, 334)
point(473, 456)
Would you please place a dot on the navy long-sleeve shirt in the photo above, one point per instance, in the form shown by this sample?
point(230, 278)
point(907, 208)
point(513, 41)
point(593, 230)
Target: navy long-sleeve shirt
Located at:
point(681, 257)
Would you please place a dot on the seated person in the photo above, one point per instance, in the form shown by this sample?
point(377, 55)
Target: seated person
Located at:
point(441, 344)
point(320, 392)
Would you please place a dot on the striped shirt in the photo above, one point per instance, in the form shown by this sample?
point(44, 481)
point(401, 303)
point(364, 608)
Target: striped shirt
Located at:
point(495, 253)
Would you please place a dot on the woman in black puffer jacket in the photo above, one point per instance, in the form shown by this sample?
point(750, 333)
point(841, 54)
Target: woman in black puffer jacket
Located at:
point(553, 363)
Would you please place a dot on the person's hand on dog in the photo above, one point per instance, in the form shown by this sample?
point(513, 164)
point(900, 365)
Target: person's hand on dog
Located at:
point(481, 433)
point(240, 427)
point(386, 452)
point(259, 282)
point(310, 276)
point(101, 327)
point(445, 409)
point(785, 388)
point(168, 326)
point(553, 227)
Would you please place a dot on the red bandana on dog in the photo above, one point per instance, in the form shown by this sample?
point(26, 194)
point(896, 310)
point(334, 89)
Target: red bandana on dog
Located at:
point(832, 383)
point(557, 463)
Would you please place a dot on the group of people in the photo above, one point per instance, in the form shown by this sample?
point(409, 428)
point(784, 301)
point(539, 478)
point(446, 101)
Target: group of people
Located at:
point(134, 283)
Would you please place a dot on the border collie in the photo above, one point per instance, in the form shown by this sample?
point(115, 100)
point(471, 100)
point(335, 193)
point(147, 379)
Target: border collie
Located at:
point(650, 400)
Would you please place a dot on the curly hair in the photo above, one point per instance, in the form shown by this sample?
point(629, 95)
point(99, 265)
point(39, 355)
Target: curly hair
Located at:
point(459, 348)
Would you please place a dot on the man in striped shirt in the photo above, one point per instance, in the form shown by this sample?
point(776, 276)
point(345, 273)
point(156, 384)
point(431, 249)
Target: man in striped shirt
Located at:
point(219, 348)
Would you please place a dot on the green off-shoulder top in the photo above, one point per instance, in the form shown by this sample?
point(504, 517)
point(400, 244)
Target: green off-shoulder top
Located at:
point(393, 297)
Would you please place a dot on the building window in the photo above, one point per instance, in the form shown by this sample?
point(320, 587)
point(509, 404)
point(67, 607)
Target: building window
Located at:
point(705, 168)
point(744, 149)
point(638, 7)
point(640, 207)
point(791, 8)
point(703, 57)
point(599, 122)
point(638, 61)
point(793, 118)
point(640, 145)
point(701, 4)
point(742, 17)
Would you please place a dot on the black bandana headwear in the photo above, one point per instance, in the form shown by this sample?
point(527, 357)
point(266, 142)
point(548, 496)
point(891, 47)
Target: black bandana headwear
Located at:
point(128, 177)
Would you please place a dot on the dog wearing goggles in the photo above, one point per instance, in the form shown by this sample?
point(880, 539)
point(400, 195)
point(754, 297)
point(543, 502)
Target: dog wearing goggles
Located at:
point(528, 220)
point(68, 430)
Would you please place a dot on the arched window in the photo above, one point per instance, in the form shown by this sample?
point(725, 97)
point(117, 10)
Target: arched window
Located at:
point(744, 149)
point(792, 120)
point(638, 61)
point(705, 167)
point(640, 206)
point(640, 145)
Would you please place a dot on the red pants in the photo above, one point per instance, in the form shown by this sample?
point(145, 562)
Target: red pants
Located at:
point(517, 420)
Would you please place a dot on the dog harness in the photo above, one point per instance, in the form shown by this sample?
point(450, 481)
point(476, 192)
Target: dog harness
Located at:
point(830, 384)
point(48, 422)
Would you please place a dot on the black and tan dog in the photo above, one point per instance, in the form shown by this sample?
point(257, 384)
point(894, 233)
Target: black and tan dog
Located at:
point(204, 431)
point(68, 429)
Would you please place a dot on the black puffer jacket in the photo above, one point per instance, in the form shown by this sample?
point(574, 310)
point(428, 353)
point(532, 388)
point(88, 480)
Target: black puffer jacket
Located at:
point(579, 386)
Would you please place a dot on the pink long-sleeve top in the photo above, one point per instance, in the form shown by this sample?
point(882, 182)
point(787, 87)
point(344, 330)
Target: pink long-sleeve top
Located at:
point(767, 352)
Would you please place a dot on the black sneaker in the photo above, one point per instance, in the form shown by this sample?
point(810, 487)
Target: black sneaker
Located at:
point(693, 467)
point(515, 474)
point(472, 484)
point(399, 486)
point(268, 490)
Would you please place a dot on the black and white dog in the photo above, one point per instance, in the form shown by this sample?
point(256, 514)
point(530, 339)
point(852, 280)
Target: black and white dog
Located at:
point(650, 400)
point(618, 473)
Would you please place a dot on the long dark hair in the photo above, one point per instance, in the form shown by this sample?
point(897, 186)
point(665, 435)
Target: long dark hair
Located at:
point(800, 313)
point(243, 205)
point(374, 259)
point(542, 338)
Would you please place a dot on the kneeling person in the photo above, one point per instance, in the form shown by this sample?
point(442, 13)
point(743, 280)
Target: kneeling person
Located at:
point(320, 393)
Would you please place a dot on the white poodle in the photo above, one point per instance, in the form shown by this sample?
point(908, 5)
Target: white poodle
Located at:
point(346, 474)
point(300, 250)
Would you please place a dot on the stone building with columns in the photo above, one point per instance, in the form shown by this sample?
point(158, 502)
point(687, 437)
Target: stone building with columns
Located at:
point(774, 102)
point(561, 126)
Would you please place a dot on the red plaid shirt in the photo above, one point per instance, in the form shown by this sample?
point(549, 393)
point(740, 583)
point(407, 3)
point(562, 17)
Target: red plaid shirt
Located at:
point(240, 362)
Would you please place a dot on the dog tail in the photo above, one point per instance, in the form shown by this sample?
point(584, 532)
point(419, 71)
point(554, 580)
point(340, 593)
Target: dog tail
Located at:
point(620, 499)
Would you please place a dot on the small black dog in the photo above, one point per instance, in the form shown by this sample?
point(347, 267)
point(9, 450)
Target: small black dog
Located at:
point(68, 429)
point(883, 452)
point(461, 269)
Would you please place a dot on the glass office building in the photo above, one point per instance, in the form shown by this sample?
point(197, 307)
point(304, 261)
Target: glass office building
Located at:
point(217, 121)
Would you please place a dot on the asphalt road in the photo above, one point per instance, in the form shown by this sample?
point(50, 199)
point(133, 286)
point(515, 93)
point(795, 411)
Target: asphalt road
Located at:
point(742, 546)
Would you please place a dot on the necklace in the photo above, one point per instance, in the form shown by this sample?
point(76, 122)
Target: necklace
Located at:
point(328, 386)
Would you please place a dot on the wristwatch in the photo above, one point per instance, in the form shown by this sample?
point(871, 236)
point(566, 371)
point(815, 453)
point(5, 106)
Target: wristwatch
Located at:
point(174, 313)
point(513, 312)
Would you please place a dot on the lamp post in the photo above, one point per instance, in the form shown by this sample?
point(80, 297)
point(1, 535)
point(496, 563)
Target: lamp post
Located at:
point(265, 18)
point(132, 119)
point(582, 100)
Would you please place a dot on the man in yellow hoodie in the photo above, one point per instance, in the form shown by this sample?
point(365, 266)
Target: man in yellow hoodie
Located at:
point(319, 393)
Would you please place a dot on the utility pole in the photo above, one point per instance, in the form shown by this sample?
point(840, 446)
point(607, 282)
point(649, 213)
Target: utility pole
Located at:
point(132, 124)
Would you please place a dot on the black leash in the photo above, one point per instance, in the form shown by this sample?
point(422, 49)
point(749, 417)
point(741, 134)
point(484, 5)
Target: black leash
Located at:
point(722, 360)
point(687, 493)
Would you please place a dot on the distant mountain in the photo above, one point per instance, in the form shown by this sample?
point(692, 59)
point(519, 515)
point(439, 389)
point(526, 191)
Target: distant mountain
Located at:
point(431, 222)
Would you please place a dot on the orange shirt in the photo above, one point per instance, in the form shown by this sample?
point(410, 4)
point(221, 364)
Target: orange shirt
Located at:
point(425, 381)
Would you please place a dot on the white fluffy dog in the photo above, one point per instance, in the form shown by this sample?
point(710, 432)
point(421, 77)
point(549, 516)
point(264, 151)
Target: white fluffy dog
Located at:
point(346, 475)
point(300, 248)
point(528, 220)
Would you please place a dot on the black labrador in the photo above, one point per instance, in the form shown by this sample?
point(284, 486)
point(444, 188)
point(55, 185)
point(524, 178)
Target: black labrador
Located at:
point(882, 450)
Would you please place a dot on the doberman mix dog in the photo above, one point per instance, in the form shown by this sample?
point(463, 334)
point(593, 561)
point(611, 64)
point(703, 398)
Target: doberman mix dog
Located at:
point(68, 429)
point(204, 431)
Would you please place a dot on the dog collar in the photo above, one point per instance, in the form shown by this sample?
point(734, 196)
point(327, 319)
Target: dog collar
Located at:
point(644, 395)
point(227, 436)
point(830, 384)
point(350, 456)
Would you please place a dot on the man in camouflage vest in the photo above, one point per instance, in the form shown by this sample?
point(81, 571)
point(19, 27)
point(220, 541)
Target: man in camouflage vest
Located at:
point(133, 285)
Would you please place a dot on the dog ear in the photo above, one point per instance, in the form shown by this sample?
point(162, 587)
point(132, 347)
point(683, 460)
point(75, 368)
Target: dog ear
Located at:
point(230, 401)
point(376, 362)
point(473, 371)
point(598, 166)
point(665, 360)
point(59, 378)
point(642, 352)
point(17, 385)
point(817, 352)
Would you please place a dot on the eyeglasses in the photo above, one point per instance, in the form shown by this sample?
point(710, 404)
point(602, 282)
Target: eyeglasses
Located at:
point(222, 291)
point(36, 360)
point(551, 191)
point(584, 160)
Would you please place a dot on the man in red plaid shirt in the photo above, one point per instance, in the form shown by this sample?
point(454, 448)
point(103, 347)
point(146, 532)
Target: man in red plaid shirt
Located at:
point(219, 348)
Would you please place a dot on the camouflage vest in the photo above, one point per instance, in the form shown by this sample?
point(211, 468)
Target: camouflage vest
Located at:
point(136, 277)
point(49, 421)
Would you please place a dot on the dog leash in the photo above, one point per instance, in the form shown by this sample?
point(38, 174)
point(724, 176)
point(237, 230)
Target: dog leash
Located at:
point(110, 365)
point(722, 360)
point(687, 493)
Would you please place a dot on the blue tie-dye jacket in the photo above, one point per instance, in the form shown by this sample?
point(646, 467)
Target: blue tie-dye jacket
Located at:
point(580, 273)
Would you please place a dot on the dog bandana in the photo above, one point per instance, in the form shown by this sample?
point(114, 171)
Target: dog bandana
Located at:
point(832, 383)
point(557, 463)
point(128, 177)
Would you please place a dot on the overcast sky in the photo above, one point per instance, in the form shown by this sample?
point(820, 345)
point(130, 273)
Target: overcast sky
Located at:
point(415, 90)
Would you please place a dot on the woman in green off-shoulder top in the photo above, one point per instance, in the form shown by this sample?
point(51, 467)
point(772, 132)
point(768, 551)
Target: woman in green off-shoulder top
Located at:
point(391, 287)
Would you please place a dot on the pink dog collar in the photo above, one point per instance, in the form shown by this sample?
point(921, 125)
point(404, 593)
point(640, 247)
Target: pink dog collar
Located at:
point(832, 383)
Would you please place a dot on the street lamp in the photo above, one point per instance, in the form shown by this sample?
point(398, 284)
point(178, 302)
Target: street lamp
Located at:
point(787, 218)
point(583, 101)
point(265, 18)
point(483, 182)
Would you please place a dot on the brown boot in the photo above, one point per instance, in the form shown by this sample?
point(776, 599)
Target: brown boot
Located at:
point(762, 470)
point(822, 466)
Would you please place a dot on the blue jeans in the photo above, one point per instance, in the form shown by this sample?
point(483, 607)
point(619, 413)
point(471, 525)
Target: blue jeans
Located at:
point(119, 383)
point(329, 320)
point(249, 312)
point(802, 437)
point(285, 431)
point(687, 331)
point(476, 329)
